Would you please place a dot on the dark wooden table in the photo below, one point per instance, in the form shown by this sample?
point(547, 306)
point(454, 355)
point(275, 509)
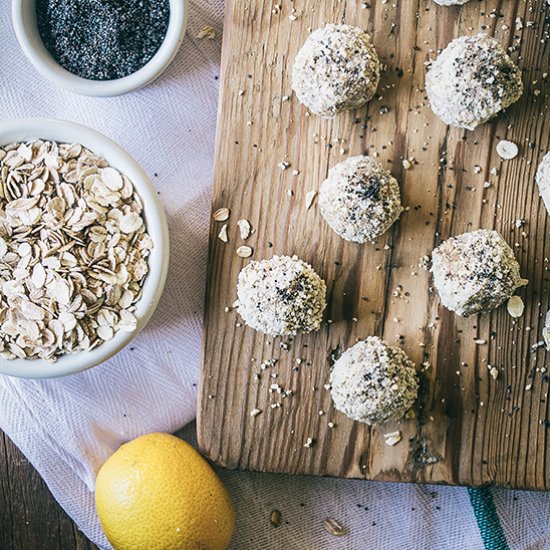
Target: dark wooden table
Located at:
point(30, 518)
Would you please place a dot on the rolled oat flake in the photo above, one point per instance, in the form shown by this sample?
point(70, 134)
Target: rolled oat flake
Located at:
point(102, 39)
point(74, 251)
point(507, 150)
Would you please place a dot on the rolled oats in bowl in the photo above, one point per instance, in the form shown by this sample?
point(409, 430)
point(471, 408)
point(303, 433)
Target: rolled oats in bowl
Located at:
point(74, 250)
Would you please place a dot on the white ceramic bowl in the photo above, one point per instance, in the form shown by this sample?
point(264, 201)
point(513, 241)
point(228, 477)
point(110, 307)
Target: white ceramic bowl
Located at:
point(24, 22)
point(61, 131)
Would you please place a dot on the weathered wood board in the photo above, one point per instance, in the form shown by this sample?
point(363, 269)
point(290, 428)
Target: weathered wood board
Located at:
point(469, 428)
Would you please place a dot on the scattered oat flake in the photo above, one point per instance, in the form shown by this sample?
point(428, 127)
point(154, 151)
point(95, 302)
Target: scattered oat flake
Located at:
point(515, 306)
point(245, 228)
point(494, 373)
point(392, 438)
point(310, 197)
point(222, 235)
point(244, 251)
point(276, 518)
point(507, 150)
point(334, 527)
point(221, 215)
point(207, 32)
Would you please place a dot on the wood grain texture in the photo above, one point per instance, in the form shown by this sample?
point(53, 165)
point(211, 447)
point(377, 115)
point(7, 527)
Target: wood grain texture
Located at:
point(469, 428)
point(30, 518)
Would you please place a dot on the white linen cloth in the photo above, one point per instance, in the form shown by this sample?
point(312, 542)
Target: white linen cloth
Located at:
point(68, 427)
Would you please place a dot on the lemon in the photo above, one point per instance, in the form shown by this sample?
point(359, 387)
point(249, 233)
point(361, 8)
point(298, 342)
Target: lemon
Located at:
point(158, 493)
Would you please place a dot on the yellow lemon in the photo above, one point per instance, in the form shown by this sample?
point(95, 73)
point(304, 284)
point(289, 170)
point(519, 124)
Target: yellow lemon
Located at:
point(158, 493)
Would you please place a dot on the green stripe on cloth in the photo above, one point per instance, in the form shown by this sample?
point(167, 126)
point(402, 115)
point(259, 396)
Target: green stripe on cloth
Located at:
point(487, 519)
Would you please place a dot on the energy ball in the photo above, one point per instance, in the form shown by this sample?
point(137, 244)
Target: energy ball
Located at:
point(471, 81)
point(475, 272)
point(336, 69)
point(373, 382)
point(451, 2)
point(281, 296)
point(360, 200)
point(543, 180)
point(546, 331)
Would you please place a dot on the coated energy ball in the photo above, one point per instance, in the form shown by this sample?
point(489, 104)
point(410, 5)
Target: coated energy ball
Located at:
point(543, 180)
point(546, 331)
point(373, 382)
point(471, 81)
point(475, 272)
point(360, 200)
point(337, 69)
point(451, 2)
point(281, 296)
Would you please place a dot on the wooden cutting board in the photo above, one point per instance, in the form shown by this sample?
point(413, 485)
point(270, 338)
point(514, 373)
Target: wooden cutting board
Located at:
point(469, 428)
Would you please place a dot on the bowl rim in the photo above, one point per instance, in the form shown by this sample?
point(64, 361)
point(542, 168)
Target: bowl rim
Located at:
point(31, 43)
point(65, 131)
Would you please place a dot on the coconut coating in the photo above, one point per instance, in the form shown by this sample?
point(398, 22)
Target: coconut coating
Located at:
point(543, 180)
point(471, 81)
point(475, 272)
point(336, 69)
point(360, 200)
point(281, 296)
point(546, 331)
point(451, 2)
point(373, 382)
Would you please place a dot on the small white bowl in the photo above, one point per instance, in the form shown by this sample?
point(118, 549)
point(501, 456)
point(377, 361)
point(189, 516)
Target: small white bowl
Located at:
point(69, 132)
point(24, 22)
